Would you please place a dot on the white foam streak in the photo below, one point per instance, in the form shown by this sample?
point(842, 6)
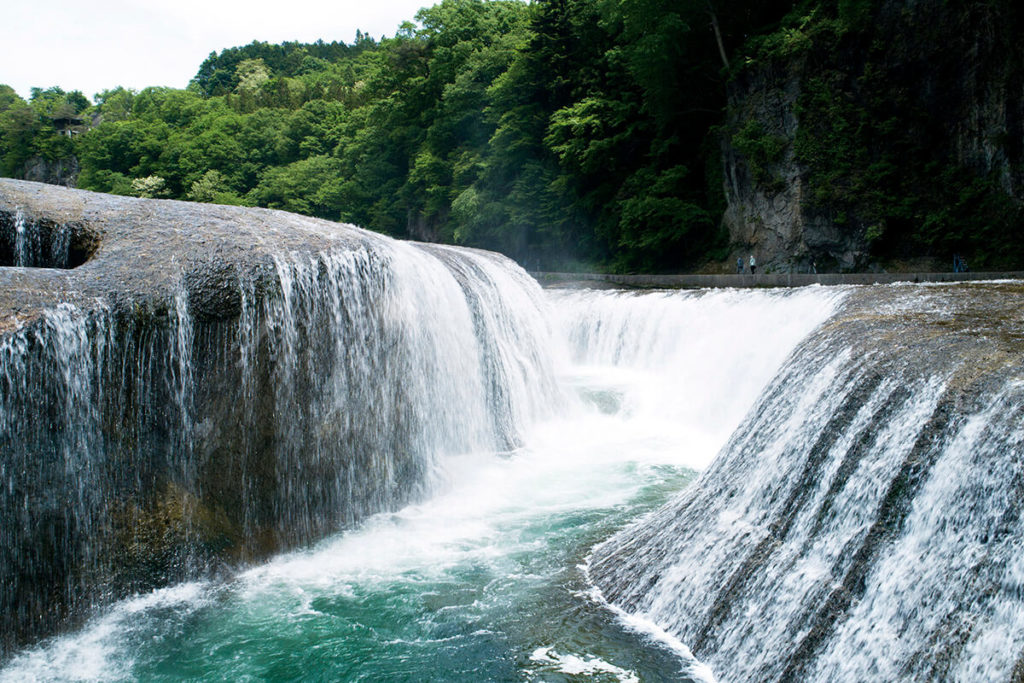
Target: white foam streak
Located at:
point(98, 651)
point(580, 666)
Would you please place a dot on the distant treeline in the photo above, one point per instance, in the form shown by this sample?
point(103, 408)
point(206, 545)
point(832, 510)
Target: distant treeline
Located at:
point(560, 132)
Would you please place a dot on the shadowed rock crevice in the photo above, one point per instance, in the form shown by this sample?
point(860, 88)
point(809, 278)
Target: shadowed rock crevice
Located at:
point(44, 243)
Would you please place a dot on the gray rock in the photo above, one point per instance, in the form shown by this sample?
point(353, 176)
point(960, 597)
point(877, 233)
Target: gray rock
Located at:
point(60, 172)
point(135, 449)
point(188, 387)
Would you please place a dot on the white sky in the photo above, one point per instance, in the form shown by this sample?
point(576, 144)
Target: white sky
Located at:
point(93, 45)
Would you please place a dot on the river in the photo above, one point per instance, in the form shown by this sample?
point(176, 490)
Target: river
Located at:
point(486, 580)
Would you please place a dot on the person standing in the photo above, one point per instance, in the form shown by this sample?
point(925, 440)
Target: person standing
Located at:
point(739, 264)
point(753, 264)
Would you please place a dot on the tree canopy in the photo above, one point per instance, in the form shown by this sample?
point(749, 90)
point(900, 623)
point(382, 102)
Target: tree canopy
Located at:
point(562, 132)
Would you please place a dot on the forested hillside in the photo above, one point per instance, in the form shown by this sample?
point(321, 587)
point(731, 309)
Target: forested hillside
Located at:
point(586, 133)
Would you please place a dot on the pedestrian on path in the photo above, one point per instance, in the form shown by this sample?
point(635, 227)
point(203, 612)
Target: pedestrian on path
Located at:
point(753, 264)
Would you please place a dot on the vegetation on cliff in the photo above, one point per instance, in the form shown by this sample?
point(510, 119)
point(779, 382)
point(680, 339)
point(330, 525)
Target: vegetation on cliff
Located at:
point(573, 131)
point(911, 123)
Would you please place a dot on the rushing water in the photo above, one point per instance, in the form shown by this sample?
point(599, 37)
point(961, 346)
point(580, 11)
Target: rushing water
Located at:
point(484, 580)
point(864, 523)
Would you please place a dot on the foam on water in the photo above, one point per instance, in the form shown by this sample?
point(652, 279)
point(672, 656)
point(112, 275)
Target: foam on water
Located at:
point(485, 571)
point(575, 666)
point(97, 652)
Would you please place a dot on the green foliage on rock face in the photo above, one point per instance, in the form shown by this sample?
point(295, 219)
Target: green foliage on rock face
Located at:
point(887, 102)
point(761, 150)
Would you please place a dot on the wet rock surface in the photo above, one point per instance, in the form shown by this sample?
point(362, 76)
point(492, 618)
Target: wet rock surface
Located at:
point(185, 388)
point(125, 248)
point(127, 419)
point(865, 521)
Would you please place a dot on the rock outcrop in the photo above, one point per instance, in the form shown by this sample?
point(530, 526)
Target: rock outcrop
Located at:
point(186, 387)
point(766, 212)
point(878, 130)
point(110, 482)
point(60, 172)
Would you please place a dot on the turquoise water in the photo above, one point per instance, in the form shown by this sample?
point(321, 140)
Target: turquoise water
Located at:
point(485, 580)
point(481, 615)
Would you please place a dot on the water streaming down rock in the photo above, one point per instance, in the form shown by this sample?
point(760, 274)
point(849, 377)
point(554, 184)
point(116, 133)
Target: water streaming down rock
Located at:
point(865, 522)
point(221, 383)
point(514, 337)
point(701, 357)
point(43, 243)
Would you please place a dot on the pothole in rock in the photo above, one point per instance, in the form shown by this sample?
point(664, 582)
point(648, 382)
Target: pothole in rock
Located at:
point(28, 243)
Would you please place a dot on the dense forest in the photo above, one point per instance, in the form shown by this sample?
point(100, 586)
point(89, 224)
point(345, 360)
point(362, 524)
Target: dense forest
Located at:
point(565, 133)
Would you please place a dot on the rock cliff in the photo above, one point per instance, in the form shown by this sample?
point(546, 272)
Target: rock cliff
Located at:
point(60, 172)
point(870, 131)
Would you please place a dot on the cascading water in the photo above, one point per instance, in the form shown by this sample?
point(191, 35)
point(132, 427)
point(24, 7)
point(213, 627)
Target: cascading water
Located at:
point(700, 358)
point(151, 445)
point(220, 384)
point(531, 466)
point(864, 523)
point(37, 245)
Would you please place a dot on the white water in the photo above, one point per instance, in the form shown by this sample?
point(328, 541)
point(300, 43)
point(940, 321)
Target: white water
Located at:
point(960, 525)
point(685, 367)
point(351, 373)
point(649, 386)
point(863, 523)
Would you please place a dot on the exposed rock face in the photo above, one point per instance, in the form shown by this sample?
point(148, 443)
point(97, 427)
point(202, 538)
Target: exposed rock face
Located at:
point(60, 172)
point(768, 217)
point(185, 387)
point(860, 125)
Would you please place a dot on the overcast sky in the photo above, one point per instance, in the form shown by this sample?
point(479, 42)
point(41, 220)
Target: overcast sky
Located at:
point(93, 45)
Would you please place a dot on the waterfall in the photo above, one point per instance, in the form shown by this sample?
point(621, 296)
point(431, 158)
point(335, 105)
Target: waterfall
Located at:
point(217, 384)
point(37, 244)
point(863, 523)
point(546, 440)
point(689, 364)
point(149, 443)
